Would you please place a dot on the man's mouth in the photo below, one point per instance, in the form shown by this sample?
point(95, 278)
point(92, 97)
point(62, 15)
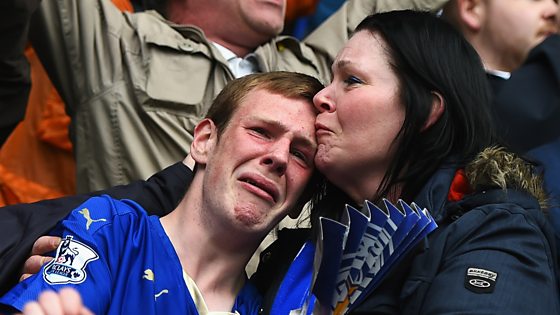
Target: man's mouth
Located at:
point(261, 187)
point(547, 31)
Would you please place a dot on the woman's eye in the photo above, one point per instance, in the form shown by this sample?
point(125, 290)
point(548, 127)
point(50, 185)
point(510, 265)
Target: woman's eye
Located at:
point(352, 80)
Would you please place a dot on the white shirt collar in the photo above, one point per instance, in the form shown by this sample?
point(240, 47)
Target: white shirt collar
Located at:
point(502, 74)
point(239, 66)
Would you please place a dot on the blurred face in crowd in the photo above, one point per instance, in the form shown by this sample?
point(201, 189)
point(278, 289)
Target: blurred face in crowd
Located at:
point(261, 162)
point(511, 28)
point(360, 117)
point(239, 25)
point(265, 17)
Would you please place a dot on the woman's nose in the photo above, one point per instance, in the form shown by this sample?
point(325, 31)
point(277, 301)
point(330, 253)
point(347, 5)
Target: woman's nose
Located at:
point(322, 102)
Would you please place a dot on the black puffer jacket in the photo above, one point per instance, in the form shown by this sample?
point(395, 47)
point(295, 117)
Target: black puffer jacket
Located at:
point(498, 231)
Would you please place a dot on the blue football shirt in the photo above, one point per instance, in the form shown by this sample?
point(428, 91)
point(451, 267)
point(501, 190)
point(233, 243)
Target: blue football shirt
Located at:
point(121, 261)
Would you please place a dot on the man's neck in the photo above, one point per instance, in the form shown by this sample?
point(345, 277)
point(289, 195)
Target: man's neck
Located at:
point(217, 275)
point(493, 59)
point(205, 249)
point(202, 248)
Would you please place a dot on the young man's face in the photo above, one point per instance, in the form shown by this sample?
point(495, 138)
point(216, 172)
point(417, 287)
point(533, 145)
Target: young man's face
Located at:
point(262, 161)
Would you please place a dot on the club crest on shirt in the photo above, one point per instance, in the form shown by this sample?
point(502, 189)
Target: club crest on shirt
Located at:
point(68, 266)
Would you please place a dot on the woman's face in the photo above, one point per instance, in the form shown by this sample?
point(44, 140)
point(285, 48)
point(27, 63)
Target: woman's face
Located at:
point(360, 117)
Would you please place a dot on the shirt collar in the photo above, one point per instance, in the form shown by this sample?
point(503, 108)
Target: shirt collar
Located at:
point(239, 66)
point(502, 74)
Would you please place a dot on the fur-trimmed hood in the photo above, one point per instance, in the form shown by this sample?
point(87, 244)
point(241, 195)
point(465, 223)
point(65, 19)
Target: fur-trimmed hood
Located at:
point(496, 167)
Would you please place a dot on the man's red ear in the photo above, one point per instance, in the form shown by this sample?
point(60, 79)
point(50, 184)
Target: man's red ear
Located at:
point(438, 105)
point(471, 12)
point(205, 138)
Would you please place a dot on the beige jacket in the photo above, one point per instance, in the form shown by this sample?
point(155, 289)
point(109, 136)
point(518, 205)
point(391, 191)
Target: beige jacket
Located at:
point(136, 84)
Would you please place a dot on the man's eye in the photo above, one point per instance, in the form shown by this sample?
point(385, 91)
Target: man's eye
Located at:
point(300, 155)
point(260, 131)
point(352, 80)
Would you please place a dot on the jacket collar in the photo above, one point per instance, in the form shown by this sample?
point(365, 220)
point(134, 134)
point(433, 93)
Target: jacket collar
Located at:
point(433, 195)
point(500, 178)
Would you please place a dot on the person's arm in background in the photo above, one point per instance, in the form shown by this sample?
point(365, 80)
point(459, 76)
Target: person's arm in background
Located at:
point(63, 35)
point(21, 225)
point(15, 81)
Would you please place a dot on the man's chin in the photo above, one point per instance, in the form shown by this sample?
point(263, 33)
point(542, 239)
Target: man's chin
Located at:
point(249, 216)
point(271, 29)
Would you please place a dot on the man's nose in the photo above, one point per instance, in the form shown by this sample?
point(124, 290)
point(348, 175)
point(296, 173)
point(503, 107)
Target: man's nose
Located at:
point(278, 157)
point(552, 11)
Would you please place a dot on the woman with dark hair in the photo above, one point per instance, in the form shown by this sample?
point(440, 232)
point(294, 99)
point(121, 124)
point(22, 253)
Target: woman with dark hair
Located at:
point(406, 116)
point(440, 93)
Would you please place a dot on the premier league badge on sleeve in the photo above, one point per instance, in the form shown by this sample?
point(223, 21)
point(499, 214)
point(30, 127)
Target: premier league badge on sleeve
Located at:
point(70, 262)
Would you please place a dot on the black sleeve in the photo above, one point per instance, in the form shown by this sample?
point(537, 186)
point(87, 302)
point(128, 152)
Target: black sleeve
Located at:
point(22, 224)
point(15, 80)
